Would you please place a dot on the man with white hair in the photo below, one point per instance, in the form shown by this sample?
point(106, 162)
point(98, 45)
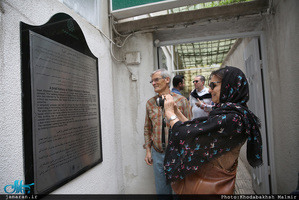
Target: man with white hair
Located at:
point(156, 127)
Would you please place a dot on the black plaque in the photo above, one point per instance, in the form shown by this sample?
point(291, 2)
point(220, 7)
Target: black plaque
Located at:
point(60, 102)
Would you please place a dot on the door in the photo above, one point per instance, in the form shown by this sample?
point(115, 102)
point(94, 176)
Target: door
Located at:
point(261, 175)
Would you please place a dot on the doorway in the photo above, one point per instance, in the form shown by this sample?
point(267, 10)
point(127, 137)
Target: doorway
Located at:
point(249, 55)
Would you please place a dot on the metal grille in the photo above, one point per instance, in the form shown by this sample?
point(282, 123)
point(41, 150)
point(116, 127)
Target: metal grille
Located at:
point(203, 53)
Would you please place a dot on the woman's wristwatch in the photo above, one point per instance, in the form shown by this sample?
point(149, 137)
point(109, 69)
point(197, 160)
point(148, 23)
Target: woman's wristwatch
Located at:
point(173, 117)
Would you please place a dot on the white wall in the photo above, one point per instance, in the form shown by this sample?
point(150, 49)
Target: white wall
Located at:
point(105, 178)
point(282, 33)
point(236, 59)
point(130, 99)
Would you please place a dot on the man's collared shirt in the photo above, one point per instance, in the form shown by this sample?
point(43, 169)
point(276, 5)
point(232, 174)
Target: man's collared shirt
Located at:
point(174, 90)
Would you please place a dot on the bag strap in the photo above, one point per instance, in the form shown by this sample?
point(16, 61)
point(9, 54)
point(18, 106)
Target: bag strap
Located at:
point(163, 130)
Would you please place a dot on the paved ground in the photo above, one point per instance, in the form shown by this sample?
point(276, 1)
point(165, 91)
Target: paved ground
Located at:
point(243, 181)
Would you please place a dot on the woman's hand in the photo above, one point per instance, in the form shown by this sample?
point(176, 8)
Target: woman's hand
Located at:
point(171, 109)
point(169, 106)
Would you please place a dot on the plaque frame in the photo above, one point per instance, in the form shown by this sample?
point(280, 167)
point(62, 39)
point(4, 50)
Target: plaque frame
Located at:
point(64, 30)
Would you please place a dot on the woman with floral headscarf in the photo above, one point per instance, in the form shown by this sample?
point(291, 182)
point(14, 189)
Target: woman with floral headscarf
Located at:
point(202, 155)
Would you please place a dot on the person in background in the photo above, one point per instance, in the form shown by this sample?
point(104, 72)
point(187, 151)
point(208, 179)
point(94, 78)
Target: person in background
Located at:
point(156, 127)
point(178, 83)
point(200, 93)
point(202, 155)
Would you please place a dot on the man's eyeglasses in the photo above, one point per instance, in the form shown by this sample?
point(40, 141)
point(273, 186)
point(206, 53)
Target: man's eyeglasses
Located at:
point(156, 80)
point(213, 85)
point(196, 81)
